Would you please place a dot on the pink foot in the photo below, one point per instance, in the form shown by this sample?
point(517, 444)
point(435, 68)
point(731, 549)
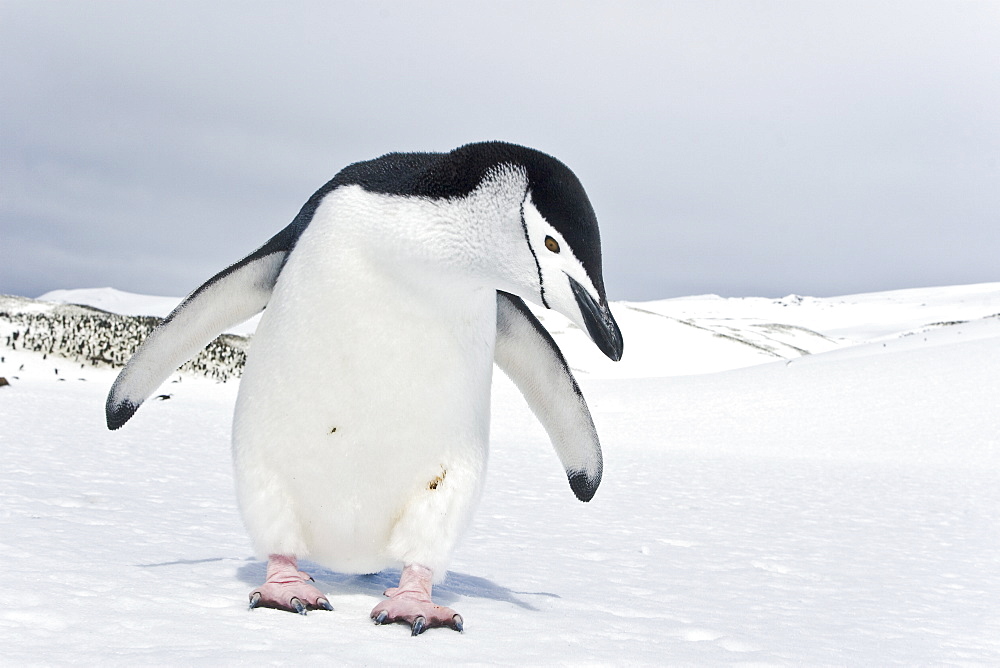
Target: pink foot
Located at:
point(411, 603)
point(287, 588)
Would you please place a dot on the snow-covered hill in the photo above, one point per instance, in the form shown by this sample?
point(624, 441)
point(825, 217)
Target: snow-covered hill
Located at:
point(694, 335)
point(759, 506)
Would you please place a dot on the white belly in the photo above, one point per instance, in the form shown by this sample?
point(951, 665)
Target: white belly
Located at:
point(362, 423)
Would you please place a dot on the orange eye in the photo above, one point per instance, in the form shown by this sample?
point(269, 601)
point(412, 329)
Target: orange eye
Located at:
point(552, 244)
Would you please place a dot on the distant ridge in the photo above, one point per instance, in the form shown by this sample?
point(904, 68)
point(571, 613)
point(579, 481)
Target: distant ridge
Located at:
point(130, 303)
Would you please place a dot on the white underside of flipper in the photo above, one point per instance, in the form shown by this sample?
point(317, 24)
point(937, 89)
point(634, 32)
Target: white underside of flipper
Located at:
point(228, 299)
point(527, 354)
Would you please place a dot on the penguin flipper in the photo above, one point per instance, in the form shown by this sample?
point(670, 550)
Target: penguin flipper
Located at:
point(527, 353)
point(233, 295)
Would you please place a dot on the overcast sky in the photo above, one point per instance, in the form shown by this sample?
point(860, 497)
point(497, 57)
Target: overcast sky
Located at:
point(740, 148)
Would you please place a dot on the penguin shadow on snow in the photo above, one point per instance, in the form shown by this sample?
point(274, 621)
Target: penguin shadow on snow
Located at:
point(184, 562)
point(448, 592)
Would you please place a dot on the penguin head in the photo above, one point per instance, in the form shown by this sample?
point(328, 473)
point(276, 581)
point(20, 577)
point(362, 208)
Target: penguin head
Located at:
point(522, 220)
point(558, 228)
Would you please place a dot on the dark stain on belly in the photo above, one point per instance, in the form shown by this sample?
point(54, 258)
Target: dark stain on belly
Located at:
point(433, 484)
point(333, 430)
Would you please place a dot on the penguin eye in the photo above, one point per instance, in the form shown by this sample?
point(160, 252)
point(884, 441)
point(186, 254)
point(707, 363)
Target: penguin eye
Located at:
point(552, 244)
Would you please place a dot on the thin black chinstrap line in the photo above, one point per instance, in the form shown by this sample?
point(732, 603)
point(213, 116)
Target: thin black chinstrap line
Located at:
point(527, 239)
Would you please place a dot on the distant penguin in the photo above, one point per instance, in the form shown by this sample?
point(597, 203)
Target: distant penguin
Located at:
point(361, 427)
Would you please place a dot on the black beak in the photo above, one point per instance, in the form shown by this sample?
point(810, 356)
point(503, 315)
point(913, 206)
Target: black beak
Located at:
point(601, 324)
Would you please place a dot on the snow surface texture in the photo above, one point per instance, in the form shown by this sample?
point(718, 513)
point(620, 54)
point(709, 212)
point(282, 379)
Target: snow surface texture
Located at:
point(839, 508)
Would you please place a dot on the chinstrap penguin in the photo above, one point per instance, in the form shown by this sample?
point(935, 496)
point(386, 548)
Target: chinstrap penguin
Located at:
point(361, 427)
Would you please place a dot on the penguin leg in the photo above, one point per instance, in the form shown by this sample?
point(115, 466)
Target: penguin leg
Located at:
point(287, 588)
point(411, 603)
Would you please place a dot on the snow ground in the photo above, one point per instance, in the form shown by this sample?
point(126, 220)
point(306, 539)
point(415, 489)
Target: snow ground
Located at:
point(835, 509)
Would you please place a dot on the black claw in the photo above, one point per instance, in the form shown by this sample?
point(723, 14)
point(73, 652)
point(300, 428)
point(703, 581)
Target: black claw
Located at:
point(382, 616)
point(254, 600)
point(324, 604)
point(419, 624)
point(298, 606)
point(458, 623)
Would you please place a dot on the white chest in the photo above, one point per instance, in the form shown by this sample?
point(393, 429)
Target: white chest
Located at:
point(362, 345)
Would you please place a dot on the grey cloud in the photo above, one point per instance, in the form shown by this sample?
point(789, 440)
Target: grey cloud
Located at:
point(737, 148)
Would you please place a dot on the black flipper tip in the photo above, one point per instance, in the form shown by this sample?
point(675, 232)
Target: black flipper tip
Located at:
point(583, 486)
point(118, 413)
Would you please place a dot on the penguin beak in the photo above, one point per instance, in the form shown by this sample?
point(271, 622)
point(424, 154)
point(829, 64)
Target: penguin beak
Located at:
point(600, 323)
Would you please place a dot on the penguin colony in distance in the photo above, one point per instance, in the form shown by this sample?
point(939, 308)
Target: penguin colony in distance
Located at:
point(361, 427)
point(96, 338)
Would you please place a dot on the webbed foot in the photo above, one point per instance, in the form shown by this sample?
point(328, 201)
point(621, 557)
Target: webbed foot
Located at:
point(411, 603)
point(288, 588)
